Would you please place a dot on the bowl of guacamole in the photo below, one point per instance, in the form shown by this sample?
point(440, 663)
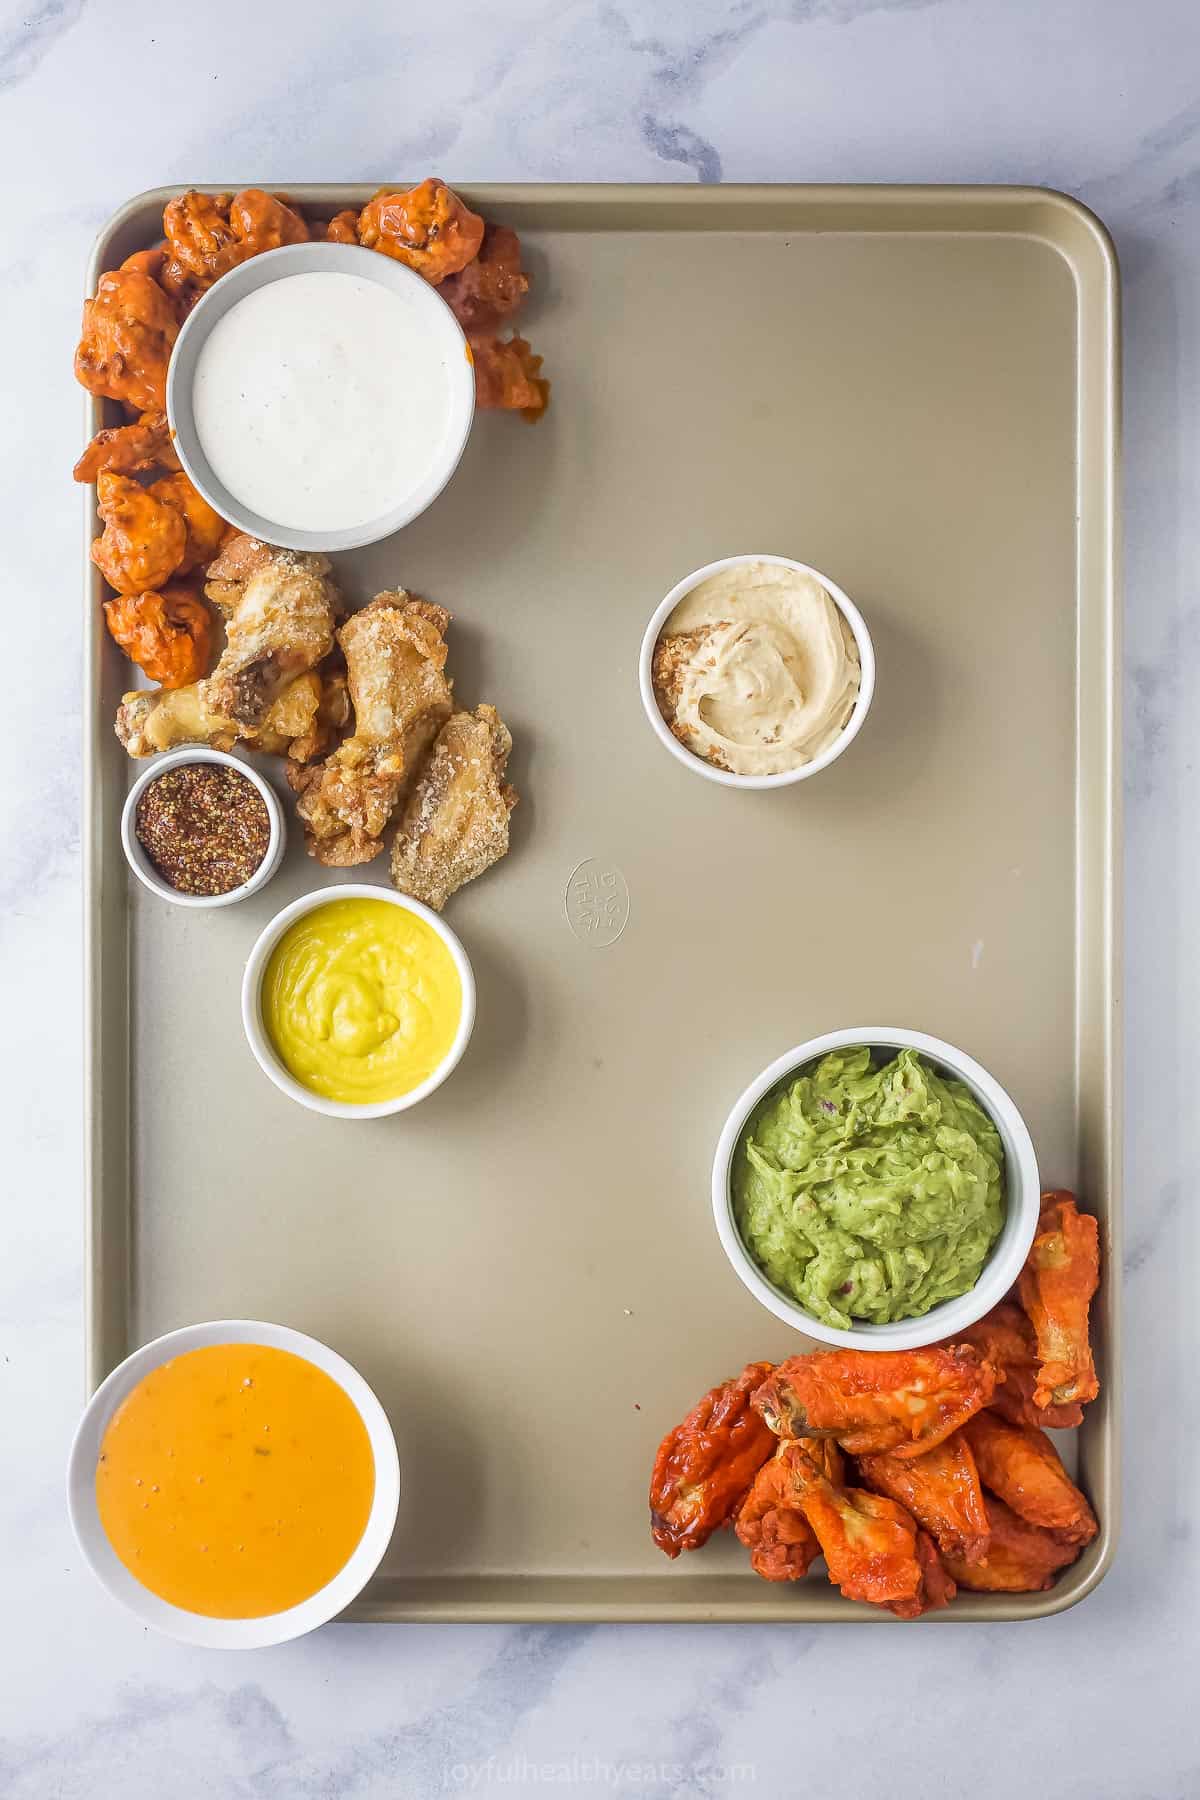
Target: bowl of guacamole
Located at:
point(876, 1187)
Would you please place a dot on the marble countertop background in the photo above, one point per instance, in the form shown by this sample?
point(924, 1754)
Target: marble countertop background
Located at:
point(100, 98)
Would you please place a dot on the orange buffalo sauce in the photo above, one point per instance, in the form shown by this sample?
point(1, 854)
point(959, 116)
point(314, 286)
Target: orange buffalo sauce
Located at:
point(235, 1480)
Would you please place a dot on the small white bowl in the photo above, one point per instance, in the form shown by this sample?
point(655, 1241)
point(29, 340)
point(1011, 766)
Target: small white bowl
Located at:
point(699, 765)
point(144, 869)
point(197, 1628)
point(1022, 1197)
point(260, 1043)
point(309, 259)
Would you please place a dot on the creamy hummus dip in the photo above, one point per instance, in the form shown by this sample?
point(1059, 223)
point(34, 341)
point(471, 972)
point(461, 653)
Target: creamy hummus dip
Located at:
point(756, 669)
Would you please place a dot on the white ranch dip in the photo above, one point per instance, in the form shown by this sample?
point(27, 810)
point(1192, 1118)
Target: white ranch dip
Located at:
point(321, 401)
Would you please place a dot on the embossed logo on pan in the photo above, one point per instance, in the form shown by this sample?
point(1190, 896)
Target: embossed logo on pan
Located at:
point(597, 902)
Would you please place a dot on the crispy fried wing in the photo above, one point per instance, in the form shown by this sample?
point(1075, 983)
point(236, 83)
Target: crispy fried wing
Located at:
point(940, 1489)
point(205, 527)
point(455, 821)
point(1020, 1559)
point(129, 449)
point(1004, 1337)
point(492, 287)
point(300, 721)
point(280, 608)
point(167, 633)
point(507, 376)
point(129, 331)
point(705, 1466)
point(1056, 1287)
point(1025, 1470)
point(771, 1524)
point(309, 716)
point(428, 227)
point(870, 1543)
point(905, 1401)
point(395, 653)
point(143, 542)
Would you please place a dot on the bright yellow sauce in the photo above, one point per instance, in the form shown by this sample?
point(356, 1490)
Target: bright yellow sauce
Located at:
point(361, 1001)
point(235, 1480)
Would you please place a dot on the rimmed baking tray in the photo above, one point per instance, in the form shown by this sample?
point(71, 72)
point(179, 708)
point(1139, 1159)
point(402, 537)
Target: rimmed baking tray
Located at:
point(915, 389)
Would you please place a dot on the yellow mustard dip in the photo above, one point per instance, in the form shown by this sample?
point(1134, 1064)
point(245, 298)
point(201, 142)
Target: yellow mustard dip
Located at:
point(361, 1001)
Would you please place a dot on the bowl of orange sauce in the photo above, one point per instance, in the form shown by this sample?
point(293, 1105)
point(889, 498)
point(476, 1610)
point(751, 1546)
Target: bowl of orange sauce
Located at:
point(234, 1484)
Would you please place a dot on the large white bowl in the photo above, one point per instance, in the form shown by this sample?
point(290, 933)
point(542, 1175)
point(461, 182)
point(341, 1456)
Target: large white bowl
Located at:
point(1022, 1197)
point(260, 1043)
point(196, 1628)
point(309, 259)
point(700, 765)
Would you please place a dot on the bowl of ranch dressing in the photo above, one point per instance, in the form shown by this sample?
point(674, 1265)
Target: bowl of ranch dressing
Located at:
point(320, 396)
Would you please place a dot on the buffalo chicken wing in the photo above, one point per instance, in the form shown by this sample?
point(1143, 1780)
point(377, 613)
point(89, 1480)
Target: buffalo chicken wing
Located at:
point(872, 1546)
point(706, 1466)
point(1056, 1286)
point(940, 1489)
point(905, 1401)
point(1025, 1470)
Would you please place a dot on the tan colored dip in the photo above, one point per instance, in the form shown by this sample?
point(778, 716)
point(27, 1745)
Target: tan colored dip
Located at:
point(757, 670)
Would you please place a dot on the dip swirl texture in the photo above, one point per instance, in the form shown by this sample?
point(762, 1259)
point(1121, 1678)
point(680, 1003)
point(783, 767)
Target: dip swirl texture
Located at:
point(765, 669)
point(869, 1193)
point(361, 1000)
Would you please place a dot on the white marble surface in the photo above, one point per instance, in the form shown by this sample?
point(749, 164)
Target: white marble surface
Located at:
point(98, 98)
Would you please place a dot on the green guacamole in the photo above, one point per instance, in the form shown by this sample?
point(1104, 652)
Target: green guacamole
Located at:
point(869, 1192)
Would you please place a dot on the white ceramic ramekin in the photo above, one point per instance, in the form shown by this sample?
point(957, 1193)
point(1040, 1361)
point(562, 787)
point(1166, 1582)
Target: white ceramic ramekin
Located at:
point(309, 259)
point(196, 1628)
point(144, 869)
point(260, 1043)
point(1022, 1194)
point(698, 764)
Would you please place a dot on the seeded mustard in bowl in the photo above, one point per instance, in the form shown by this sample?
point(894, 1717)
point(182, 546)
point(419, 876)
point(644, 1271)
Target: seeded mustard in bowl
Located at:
point(200, 828)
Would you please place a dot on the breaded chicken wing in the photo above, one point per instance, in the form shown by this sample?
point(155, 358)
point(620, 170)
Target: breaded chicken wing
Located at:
point(705, 1467)
point(1056, 1287)
point(301, 722)
point(1020, 1559)
point(1025, 1470)
point(455, 820)
point(507, 376)
point(905, 1401)
point(491, 287)
point(167, 633)
point(129, 449)
point(428, 227)
point(771, 1523)
point(206, 529)
point(1004, 1337)
point(872, 1546)
point(280, 608)
point(144, 540)
point(940, 1489)
point(395, 652)
point(129, 331)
